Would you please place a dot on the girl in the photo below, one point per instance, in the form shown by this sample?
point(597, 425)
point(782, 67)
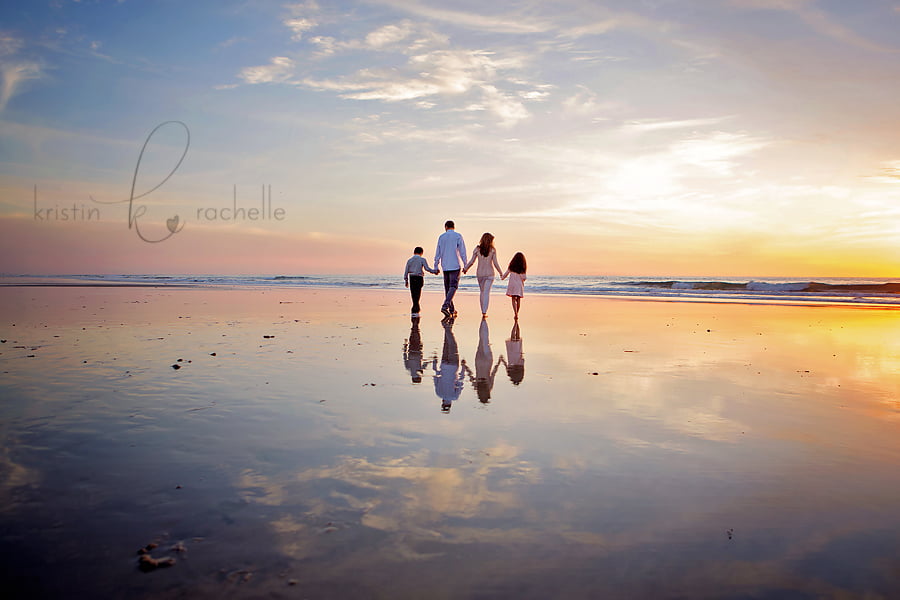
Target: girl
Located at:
point(487, 262)
point(516, 287)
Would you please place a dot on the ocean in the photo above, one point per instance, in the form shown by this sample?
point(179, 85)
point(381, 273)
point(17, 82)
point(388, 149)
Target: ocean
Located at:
point(727, 289)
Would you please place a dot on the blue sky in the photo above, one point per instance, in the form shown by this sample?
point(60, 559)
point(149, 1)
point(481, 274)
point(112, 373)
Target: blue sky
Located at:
point(745, 137)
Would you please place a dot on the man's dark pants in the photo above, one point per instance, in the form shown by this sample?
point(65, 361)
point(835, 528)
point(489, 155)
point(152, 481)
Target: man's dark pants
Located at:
point(451, 282)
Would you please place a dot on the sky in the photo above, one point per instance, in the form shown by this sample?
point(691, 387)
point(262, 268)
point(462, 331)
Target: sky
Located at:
point(626, 137)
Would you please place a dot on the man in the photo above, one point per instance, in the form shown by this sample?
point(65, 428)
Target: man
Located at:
point(449, 257)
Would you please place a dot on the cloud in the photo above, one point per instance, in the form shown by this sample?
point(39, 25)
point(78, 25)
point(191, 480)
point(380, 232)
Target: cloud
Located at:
point(605, 24)
point(508, 109)
point(510, 23)
point(773, 4)
point(232, 41)
point(888, 173)
point(716, 153)
point(299, 27)
point(585, 102)
point(389, 35)
point(438, 73)
point(405, 37)
point(301, 18)
point(645, 125)
point(817, 20)
point(14, 70)
point(279, 70)
point(14, 75)
point(10, 45)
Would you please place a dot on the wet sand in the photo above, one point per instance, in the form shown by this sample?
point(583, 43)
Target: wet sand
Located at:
point(321, 444)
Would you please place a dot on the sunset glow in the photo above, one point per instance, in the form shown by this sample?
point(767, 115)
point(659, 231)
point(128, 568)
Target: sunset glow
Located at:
point(735, 138)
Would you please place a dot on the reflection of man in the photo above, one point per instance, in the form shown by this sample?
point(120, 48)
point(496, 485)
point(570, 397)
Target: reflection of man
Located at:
point(485, 369)
point(448, 381)
point(514, 362)
point(412, 352)
point(449, 257)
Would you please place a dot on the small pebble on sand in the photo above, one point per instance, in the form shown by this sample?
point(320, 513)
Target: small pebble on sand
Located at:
point(147, 563)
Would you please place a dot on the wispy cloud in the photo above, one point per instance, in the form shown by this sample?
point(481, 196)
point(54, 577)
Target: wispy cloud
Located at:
point(716, 153)
point(301, 18)
point(15, 70)
point(504, 23)
point(389, 34)
point(644, 125)
point(889, 173)
point(14, 75)
point(817, 20)
point(431, 71)
point(279, 70)
point(437, 73)
point(405, 37)
point(299, 27)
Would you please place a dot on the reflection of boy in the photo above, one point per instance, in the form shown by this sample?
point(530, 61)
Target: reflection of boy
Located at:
point(412, 352)
point(414, 278)
point(448, 381)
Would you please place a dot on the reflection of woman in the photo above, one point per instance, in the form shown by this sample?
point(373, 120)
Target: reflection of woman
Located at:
point(448, 381)
point(485, 369)
point(487, 262)
point(412, 352)
point(515, 361)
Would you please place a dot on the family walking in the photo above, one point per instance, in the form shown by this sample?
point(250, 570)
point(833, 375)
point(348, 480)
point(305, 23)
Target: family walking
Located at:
point(450, 255)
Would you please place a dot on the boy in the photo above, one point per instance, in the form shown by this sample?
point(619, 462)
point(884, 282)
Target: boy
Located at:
point(414, 278)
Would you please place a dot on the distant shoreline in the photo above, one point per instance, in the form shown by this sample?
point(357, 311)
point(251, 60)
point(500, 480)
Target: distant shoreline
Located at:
point(878, 296)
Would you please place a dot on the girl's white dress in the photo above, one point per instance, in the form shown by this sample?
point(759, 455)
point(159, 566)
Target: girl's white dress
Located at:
point(516, 286)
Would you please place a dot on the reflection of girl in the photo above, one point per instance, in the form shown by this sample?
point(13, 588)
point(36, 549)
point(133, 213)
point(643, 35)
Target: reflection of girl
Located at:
point(515, 362)
point(516, 288)
point(487, 262)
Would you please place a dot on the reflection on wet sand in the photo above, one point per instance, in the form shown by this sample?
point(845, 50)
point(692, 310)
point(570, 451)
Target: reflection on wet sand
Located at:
point(485, 368)
point(726, 452)
point(448, 380)
point(514, 360)
point(412, 352)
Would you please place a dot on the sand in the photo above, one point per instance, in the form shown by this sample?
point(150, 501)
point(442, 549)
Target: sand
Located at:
point(318, 444)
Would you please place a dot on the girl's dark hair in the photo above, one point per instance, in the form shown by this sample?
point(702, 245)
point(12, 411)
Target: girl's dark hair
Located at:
point(517, 264)
point(486, 243)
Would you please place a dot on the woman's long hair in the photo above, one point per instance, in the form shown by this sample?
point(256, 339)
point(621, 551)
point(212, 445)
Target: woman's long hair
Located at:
point(486, 244)
point(517, 264)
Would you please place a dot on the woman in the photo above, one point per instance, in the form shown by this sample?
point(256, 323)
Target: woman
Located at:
point(487, 262)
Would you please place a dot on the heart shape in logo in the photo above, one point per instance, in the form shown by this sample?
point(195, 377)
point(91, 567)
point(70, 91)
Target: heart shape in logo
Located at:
point(172, 224)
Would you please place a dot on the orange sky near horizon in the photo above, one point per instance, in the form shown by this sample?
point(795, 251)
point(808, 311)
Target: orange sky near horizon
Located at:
point(748, 138)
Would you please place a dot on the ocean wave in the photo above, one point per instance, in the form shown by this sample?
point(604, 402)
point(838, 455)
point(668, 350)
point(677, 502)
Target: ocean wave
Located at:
point(757, 290)
point(772, 287)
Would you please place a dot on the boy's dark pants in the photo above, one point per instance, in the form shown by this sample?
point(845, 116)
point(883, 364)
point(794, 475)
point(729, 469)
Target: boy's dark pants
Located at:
point(415, 290)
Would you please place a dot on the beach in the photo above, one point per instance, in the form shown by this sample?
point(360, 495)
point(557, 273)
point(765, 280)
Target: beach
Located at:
point(320, 443)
